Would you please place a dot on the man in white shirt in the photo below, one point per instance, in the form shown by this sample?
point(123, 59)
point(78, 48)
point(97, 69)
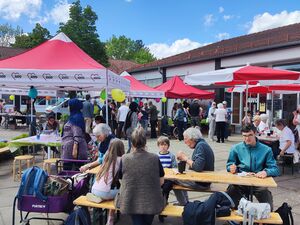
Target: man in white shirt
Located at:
point(287, 138)
point(121, 117)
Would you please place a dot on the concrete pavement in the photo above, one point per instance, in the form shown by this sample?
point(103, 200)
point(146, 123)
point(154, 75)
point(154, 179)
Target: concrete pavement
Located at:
point(287, 190)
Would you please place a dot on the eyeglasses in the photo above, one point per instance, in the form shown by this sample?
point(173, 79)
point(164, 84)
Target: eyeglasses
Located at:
point(248, 135)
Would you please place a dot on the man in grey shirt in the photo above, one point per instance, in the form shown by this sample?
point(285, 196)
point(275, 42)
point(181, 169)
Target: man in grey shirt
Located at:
point(203, 159)
point(88, 113)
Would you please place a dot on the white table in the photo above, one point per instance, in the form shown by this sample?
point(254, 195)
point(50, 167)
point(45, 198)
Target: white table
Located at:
point(47, 140)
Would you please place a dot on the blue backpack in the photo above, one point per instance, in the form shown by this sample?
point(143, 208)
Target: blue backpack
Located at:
point(33, 182)
point(79, 216)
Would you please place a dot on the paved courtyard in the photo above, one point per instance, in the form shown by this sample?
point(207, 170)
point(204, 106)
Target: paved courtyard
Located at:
point(287, 190)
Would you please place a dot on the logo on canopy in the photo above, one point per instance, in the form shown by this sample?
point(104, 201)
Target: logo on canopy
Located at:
point(63, 76)
point(47, 76)
point(32, 76)
point(16, 76)
point(95, 77)
point(2, 75)
point(79, 77)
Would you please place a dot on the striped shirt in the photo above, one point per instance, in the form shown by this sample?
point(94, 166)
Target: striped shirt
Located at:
point(167, 160)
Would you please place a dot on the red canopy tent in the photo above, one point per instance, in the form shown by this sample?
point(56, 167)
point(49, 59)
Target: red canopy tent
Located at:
point(58, 64)
point(141, 90)
point(175, 88)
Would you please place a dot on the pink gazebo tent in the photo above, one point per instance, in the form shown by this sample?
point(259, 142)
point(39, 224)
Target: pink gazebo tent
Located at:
point(58, 64)
point(141, 90)
point(175, 88)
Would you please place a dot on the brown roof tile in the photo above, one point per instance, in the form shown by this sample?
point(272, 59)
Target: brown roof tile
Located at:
point(119, 66)
point(273, 38)
point(6, 52)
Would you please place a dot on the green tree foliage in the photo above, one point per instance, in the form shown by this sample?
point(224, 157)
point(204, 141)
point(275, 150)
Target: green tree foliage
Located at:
point(38, 35)
point(128, 49)
point(81, 28)
point(7, 34)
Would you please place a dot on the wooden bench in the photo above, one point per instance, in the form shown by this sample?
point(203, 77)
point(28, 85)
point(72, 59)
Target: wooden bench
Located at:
point(287, 161)
point(176, 211)
point(213, 188)
point(5, 149)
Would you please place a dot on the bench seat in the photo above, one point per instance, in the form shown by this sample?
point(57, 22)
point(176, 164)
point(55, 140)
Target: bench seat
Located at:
point(176, 211)
point(213, 188)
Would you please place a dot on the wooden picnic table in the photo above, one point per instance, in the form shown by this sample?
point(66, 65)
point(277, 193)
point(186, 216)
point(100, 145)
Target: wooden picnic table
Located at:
point(212, 177)
point(94, 170)
point(219, 177)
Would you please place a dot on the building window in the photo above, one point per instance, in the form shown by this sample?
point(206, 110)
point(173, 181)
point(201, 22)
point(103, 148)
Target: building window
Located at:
point(293, 67)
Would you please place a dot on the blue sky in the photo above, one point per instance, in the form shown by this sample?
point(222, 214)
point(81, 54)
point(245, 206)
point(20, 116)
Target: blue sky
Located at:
point(167, 27)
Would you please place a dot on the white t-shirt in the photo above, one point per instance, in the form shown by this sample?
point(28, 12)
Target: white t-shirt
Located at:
point(122, 113)
point(220, 115)
point(100, 185)
point(262, 127)
point(287, 135)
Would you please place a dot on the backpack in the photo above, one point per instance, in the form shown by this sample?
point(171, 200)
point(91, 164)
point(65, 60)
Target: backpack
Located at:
point(285, 212)
point(79, 216)
point(33, 182)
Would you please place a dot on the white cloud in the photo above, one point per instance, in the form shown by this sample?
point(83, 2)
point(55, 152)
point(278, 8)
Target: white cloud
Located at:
point(267, 21)
point(209, 19)
point(58, 14)
point(221, 9)
point(160, 50)
point(222, 36)
point(228, 17)
point(14, 9)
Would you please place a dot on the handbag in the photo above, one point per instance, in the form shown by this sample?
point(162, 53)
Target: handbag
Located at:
point(253, 211)
point(56, 186)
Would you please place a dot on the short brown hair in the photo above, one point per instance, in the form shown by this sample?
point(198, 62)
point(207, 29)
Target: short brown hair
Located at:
point(163, 140)
point(138, 138)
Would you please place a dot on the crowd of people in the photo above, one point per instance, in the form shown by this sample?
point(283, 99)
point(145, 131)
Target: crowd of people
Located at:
point(142, 172)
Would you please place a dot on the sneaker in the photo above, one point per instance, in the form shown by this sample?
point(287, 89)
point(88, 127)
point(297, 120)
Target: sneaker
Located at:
point(93, 198)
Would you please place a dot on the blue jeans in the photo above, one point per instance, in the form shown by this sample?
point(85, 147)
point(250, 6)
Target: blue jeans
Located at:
point(141, 219)
point(106, 195)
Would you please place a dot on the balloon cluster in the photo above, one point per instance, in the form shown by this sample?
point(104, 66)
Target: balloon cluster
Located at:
point(118, 95)
point(163, 100)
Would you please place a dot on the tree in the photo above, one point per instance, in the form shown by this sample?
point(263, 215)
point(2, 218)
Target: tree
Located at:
point(7, 34)
point(82, 30)
point(38, 35)
point(128, 49)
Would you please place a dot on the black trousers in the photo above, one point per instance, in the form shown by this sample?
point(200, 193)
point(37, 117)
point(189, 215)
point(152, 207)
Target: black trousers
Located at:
point(153, 124)
point(263, 195)
point(180, 126)
point(119, 129)
point(220, 129)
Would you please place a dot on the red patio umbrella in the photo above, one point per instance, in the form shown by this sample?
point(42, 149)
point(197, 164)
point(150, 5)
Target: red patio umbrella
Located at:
point(175, 88)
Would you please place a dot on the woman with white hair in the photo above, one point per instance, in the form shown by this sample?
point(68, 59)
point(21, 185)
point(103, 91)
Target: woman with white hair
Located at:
point(104, 135)
point(263, 126)
point(220, 114)
point(202, 159)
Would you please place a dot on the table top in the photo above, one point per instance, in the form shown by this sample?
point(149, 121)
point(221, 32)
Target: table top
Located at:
point(94, 170)
point(268, 138)
point(212, 177)
point(48, 140)
point(219, 177)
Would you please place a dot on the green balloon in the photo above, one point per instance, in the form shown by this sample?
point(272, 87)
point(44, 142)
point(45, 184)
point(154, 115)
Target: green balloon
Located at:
point(103, 94)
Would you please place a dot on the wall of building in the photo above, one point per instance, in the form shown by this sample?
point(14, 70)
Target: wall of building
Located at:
point(266, 58)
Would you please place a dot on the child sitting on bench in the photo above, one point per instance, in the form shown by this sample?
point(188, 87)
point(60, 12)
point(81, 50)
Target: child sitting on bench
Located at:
point(107, 184)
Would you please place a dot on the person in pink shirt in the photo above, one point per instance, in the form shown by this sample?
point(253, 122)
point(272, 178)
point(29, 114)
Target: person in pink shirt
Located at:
point(107, 184)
